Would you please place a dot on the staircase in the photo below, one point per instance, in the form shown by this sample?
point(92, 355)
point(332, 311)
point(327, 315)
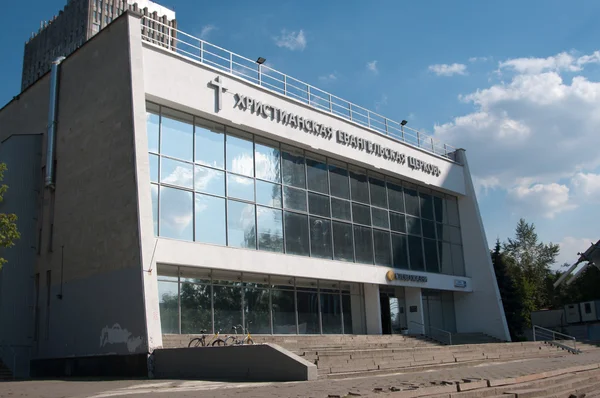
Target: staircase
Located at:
point(5, 373)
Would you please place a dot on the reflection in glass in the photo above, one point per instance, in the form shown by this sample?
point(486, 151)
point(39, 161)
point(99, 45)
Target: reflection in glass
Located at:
point(176, 214)
point(395, 197)
point(400, 251)
point(380, 218)
point(227, 307)
point(452, 208)
point(317, 176)
point(209, 180)
point(415, 250)
point(270, 229)
point(438, 206)
point(294, 199)
point(168, 305)
point(318, 204)
point(296, 234)
point(152, 123)
point(411, 201)
point(292, 170)
point(426, 201)
point(177, 136)
point(173, 172)
point(397, 222)
point(383, 251)
point(210, 147)
point(320, 237)
point(331, 313)
point(363, 243)
point(284, 311)
point(458, 263)
point(268, 194)
point(268, 161)
point(378, 194)
point(431, 259)
point(154, 191)
point(342, 241)
point(445, 257)
point(210, 219)
point(240, 187)
point(428, 229)
point(241, 230)
point(257, 311)
point(308, 313)
point(347, 310)
point(338, 178)
point(359, 187)
point(240, 156)
point(413, 225)
point(361, 214)
point(195, 308)
point(341, 209)
point(451, 234)
point(153, 168)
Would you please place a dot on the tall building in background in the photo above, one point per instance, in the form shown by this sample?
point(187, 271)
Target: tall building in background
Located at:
point(79, 21)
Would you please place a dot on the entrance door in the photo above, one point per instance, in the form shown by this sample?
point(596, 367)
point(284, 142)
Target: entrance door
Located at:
point(386, 316)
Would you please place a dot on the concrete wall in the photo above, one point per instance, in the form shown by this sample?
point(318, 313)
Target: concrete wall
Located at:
point(414, 319)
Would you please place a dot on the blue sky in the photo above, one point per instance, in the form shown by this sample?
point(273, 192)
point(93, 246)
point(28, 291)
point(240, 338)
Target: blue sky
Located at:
point(515, 83)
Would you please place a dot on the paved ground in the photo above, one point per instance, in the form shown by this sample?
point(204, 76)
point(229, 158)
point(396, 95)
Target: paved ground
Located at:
point(364, 386)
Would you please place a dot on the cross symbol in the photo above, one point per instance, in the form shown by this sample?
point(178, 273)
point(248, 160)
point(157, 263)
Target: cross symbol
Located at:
point(219, 86)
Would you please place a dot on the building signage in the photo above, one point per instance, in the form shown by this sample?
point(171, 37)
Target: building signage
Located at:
point(309, 126)
point(460, 283)
point(395, 276)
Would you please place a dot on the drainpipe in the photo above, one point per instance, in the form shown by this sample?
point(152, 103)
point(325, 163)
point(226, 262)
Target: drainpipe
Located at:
point(52, 113)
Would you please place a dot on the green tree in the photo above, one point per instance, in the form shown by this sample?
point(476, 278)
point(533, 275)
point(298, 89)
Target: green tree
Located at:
point(8, 222)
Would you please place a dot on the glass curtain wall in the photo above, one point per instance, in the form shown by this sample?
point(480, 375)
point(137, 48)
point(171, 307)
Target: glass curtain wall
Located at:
point(219, 185)
point(201, 299)
point(438, 309)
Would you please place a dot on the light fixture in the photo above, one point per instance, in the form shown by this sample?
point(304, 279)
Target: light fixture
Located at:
point(261, 60)
point(403, 123)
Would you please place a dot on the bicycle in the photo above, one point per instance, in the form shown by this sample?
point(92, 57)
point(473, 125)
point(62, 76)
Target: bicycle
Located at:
point(201, 341)
point(234, 340)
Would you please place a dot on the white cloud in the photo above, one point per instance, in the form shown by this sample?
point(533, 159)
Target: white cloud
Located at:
point(330, 77)
point(206, 29)
point(372, 66)
point(587, 186)
point(479, 59)
point(544, 199)
point(569, 247)
point(291, 40)
point(560, 62)
point(448, 69)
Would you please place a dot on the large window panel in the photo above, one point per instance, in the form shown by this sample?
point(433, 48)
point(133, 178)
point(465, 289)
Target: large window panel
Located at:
point(317, 176)
point(152, 128)
point(452, 209)
point(428, 229)
point(268, 162)
point(210, 146)
point(347, 311)
point(268, 194)
point(209, 180)
point(343, 247)
point(431, 257)
point(426, 202)
point(294, 199)
point(240, 155)
point(284, 311)
point(318, 205)
point(363, 243)
point(308, 312)
point(292, 169)
point(338, 177)
point(341, 209)
point(173, 172)
point(378, 193)
point(331, 313)
point(380, 218)
point(415, 250)
point(411, 201)
point(257, 310)
point(439, 208)
point(176, 214)
point(397, 222)
point(395, 197)
point(241, 229)
point(451, 234)
point(458, 262)
point(413, 225)
point(270, 229)
point(177, 135)
point(383, 251)
point(240, 187)
point(400, 251)
point(320, 238)
point(154, 168)
point(227, 307)
point(296, 234)
point(361, 214)
point(154, 192)
point(359, 187)
point(168, 305)
point(196, 314)
point(446, 258)
point(210, 219)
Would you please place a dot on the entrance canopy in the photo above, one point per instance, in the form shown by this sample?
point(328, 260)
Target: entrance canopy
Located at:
point(590, 257)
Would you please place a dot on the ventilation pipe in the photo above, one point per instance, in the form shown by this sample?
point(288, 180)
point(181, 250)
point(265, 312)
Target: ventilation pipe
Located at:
point(52, 113)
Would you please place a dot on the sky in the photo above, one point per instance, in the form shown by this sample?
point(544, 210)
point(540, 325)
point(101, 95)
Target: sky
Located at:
point(517, 84)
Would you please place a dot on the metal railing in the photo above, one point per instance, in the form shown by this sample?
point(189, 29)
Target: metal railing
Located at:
point(197, 49)
point(558, 339)
point(440, 335)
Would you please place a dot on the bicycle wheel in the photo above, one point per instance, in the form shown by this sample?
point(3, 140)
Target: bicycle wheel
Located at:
point(230, 340)
point(248, 340)
point(219, 343)
point(196, 342)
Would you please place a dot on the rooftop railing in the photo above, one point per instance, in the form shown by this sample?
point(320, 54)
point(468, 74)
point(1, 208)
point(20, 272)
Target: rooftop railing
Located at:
point(199, 50)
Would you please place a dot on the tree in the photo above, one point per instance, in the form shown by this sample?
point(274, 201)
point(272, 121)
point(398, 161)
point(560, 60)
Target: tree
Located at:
point(511, 292)
point(8, 222)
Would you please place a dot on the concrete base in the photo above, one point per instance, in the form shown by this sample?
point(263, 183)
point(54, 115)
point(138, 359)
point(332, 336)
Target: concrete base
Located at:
point(259, 362)
point(125, 366)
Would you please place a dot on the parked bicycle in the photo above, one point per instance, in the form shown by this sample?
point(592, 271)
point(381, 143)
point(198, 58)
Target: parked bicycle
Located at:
point(234, 340)
point(201, 341)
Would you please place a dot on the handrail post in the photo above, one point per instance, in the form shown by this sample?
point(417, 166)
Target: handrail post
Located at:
point(350, 108)
point(450, 337)
point(369, 118)
point(308, 92)
point(231, 63)
point(285, 85)
point(259, 75)
point(418, 139)
point(534, 339)
point(386, 126)
point(330, 104)
point(201, 52)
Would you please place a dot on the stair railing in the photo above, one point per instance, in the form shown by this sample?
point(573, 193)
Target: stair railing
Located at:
point(555, 338)
point(427, 331)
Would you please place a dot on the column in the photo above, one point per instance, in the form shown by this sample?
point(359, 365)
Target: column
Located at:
point(414, 310)
point(372, 308)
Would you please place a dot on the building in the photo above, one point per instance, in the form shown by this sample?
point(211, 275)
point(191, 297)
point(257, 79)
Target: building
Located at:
point(79, 21)
point(198, 191)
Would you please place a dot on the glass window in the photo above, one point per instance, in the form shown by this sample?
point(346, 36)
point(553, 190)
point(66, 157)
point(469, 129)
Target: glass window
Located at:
point(445, 257)
point(270, 229)
point(168, 304)
point(241, 230)
point(318, 204)
point(341, 209)
point(397, 222)
point(284, 311)
point(380, 218)
point(383, 251)
point(240, 187)
point(294, 199)
point(210, 219)
point(347, 311)
point(209, 180)
point(210, 146)
point(177, 134)
point(176, 214)
point(438, 205)
point(359, 187)
point(227, 307)
point(331, 313)
point(426, 201)
point(428, 229)
point(342, 242)
point(296, 234)
point(257, 310)
point(431, 259)
point(308, 312)
point(316, 173)
point(452, 208)
point(196, 312)
point(240, 155)
point(413, 225)
point(173, 172)
point(458, 262)
point(338, 178)
point(361, 214)
point(378, 194)
point(395, 197)
point(268, 194)
point(153, 168)
point(411, 200)
point(154, 191)
point(451, 234)
point(416, 253)
point(400, 251)
point(152, 128)
point(363, 243)
point(292, 170)
point(320, 238)
point(268, 161)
